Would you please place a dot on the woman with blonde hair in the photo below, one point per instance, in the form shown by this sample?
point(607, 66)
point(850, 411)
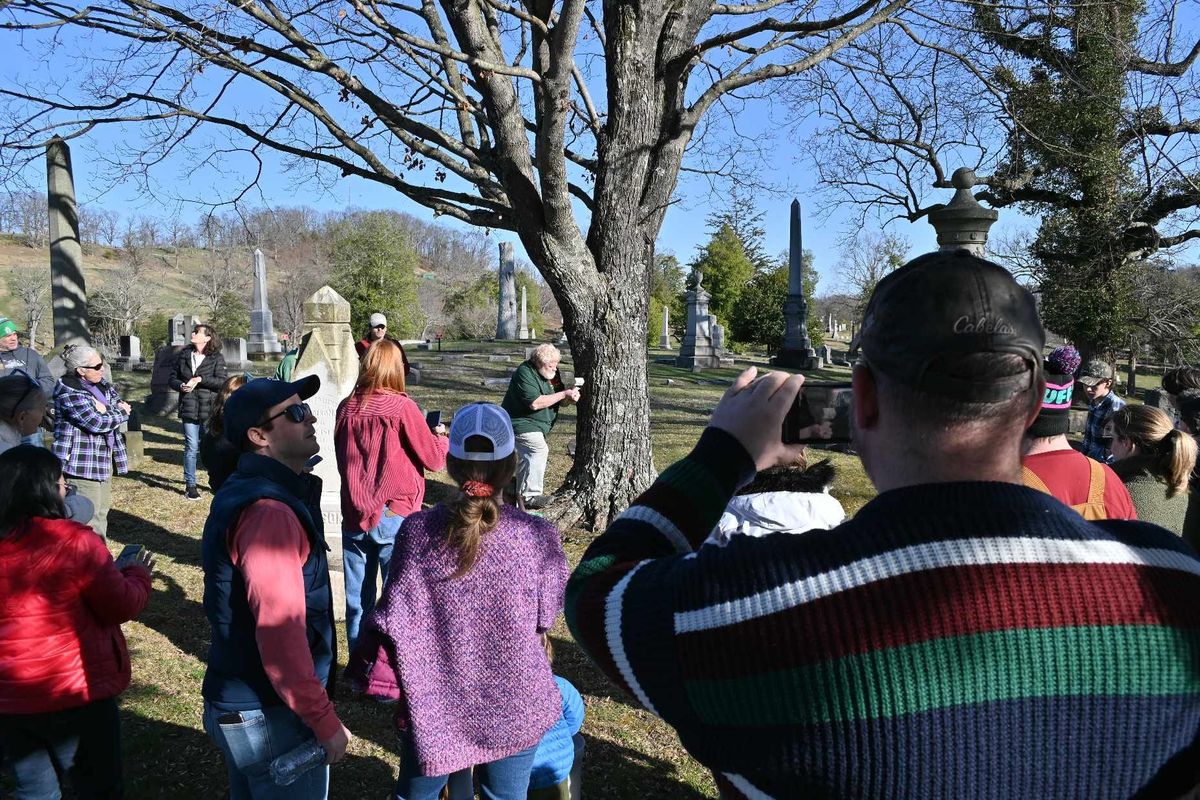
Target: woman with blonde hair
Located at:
point(473, 584)
point(1155, 461)
point(383, 447)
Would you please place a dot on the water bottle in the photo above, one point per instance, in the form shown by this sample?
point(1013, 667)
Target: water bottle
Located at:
point(286, 768)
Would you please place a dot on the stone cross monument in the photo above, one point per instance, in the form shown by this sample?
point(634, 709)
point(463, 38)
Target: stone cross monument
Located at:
point(524, 332)
point(797, 350)
point(696, 351)
point(962, 224)
point(327, 351)
point(664, 341)
point(67, 289)
point(262, 337)
point(506, 315)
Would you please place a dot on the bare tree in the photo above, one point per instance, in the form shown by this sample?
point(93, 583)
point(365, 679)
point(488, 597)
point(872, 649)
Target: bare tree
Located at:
point(31, 287)
point(867, 258)
point(121, 303)
point(565, 123)
point(99, 226)
point(26, 216)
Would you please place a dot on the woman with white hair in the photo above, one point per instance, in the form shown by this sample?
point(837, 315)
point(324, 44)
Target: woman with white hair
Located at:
point(532, 400)
point(87, 437)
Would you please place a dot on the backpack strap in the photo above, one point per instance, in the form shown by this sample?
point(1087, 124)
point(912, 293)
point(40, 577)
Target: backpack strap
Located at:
point(1031, 479)
point(1096, 484)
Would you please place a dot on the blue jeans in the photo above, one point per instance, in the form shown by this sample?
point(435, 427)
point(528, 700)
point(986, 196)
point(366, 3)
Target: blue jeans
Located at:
point(82, 745)
point(35, 439)
point(192, 431)
point(364, 554)
point(251, 745)
point(506, 779)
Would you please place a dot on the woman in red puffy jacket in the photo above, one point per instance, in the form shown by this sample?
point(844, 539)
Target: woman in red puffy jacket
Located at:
point(63, 660)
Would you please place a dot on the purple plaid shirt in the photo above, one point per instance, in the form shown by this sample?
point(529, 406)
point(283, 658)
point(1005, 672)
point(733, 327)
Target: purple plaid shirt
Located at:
point(87, 442)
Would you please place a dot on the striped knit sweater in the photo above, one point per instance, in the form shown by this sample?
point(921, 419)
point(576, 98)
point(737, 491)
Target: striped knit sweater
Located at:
point(966, 640)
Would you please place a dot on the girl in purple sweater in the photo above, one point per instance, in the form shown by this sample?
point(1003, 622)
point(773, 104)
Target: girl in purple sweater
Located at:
point(472, 584)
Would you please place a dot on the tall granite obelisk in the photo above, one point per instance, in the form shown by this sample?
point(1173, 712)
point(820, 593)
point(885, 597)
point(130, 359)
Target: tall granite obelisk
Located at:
point(506, 313)
point(262, 337)
point(797, 350)
point(67, 289)
point(523, 334)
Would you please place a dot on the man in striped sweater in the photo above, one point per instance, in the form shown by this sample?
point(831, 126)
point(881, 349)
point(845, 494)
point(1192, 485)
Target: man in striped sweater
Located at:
point(961, 636)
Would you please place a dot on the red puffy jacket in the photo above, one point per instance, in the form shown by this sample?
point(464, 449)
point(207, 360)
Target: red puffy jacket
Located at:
point(62, 602)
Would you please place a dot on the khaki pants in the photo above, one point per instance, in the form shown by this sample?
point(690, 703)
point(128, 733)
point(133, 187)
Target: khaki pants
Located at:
point(100, 493)
point(532, 454)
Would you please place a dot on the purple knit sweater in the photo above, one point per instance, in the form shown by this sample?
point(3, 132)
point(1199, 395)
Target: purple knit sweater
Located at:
point(474, 673)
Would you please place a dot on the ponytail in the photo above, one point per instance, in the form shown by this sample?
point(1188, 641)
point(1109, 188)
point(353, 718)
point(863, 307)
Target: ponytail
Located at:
point(1177, 459)
point(470, 517)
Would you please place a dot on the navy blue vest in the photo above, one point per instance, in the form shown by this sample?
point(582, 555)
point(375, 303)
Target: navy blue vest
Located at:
point(235, 679)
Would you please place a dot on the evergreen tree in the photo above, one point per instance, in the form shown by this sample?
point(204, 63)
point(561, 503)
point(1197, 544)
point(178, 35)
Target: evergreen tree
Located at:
point(373, 267)
point(726, 269)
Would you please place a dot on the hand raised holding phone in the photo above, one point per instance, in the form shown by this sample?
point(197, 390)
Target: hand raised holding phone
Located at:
point(752, 411)
point(135, 554)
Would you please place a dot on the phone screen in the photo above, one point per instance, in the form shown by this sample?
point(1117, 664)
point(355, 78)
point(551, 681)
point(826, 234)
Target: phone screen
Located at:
point(820, 415)
point(130, 551)
point(433, 419)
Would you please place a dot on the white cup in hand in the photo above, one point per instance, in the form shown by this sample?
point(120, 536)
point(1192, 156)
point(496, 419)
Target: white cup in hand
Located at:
point(579, 382)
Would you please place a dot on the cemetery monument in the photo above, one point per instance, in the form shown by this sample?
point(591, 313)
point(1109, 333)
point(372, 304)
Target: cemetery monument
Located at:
point(797, 350)
point(262, 339)
point(506, 314)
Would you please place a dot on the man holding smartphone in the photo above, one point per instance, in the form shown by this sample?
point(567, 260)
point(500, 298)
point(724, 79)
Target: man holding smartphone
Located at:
point(267, 596)
point(961, 636)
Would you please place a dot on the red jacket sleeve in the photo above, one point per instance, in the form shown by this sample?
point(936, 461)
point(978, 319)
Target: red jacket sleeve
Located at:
point(114, 595)
point(270, 547)
point(429, 448)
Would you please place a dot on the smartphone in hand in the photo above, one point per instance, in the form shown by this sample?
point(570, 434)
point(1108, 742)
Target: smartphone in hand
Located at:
point(433, 419)
point(129, 555)
point(820, 415)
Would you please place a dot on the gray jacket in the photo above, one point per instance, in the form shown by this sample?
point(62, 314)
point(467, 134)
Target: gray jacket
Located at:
point(27, 359)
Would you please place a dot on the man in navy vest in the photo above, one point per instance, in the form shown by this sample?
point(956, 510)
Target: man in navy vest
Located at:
point(267, 596)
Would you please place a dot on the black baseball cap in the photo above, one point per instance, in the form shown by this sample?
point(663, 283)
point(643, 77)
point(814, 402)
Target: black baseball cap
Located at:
point(951, 303)
point(247, 406)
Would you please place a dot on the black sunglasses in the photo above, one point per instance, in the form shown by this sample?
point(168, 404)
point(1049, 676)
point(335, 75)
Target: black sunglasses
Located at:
point(296, 412)
point(95, 366)
point(378, 327)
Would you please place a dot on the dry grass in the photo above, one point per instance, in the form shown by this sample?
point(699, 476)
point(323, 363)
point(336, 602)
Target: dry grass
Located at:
point(167, 755)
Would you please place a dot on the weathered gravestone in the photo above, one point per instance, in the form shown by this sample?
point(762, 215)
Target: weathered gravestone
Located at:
point(327, 351)
point(179, 332)
point(664, 340)
point(523, 334)
point(506, 314)
point(130, 353)
point(262, 339)
point(234, 351)
point(696, 351)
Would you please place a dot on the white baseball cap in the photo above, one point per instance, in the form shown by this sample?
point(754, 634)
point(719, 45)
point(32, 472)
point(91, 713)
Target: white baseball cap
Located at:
point(482, 419)
point(378, 319)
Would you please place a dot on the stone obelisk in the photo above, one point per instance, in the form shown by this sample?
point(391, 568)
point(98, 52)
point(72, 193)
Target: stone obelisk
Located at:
point(797, 350)
point(506, 314)
point(664, 341)
point(524, 332)
point(262, 337)
point(67, 288)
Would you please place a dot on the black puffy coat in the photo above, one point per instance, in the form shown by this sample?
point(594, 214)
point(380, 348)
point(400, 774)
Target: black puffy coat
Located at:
point(197, 405)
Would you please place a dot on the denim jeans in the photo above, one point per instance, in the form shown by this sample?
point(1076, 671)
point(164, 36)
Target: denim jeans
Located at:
point(251, 745)
point(80, 744)
point(532, 454)
point(363, 554)
point(506, 779)
point(192, 431)
point(35, 439)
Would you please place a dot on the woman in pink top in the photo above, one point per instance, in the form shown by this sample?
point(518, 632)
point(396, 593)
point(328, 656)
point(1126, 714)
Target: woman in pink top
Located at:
point(383, 448)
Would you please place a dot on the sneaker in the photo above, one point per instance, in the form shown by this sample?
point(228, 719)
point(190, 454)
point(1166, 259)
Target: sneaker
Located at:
point(193, 493)
point(539, 501)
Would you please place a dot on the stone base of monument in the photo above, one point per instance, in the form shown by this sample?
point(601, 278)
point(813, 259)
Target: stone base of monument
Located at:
point(160, 404)
point(252, 356)
point(797, 359)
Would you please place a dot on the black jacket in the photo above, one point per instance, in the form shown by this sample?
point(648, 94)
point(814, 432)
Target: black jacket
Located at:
point(197, 405)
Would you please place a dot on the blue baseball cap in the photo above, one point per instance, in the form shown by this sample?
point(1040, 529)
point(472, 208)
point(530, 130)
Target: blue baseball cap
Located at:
point(247, 406)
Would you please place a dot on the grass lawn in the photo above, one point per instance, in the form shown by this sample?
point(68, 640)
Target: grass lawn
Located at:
point(630, 754)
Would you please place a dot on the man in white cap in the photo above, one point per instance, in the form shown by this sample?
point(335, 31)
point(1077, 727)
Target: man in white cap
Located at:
point(377, 327)
point(14, 357)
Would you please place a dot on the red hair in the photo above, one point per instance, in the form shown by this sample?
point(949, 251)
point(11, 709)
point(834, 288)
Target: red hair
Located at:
point(382, 369)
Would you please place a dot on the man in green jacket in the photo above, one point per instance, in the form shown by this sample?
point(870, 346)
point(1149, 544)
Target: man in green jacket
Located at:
point(532, 400)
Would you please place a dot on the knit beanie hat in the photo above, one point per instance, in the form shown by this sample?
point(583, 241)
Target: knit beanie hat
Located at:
point(1059, 369)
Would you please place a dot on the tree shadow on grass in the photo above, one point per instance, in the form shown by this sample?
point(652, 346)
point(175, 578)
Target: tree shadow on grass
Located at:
point(613, 771)
point(166, 455)
point(155, 481)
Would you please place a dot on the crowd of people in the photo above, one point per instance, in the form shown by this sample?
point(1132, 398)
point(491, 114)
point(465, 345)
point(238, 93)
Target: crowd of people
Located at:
point(1011, 616)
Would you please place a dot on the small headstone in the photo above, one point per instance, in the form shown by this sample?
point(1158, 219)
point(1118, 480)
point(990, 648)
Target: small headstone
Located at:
point(135, 447)
point(448, 357)
point(498, 359)
point(162, 400)
point(131, 348)
point(826, 353)
point(179, 329)
point(718, 337)
point(234, 350)
point(495, 383)
point(562, 339)
point(327, 351)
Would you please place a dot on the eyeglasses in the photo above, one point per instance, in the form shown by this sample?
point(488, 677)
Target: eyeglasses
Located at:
point(296, 412)
point(379, 327)
point(95, 366)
